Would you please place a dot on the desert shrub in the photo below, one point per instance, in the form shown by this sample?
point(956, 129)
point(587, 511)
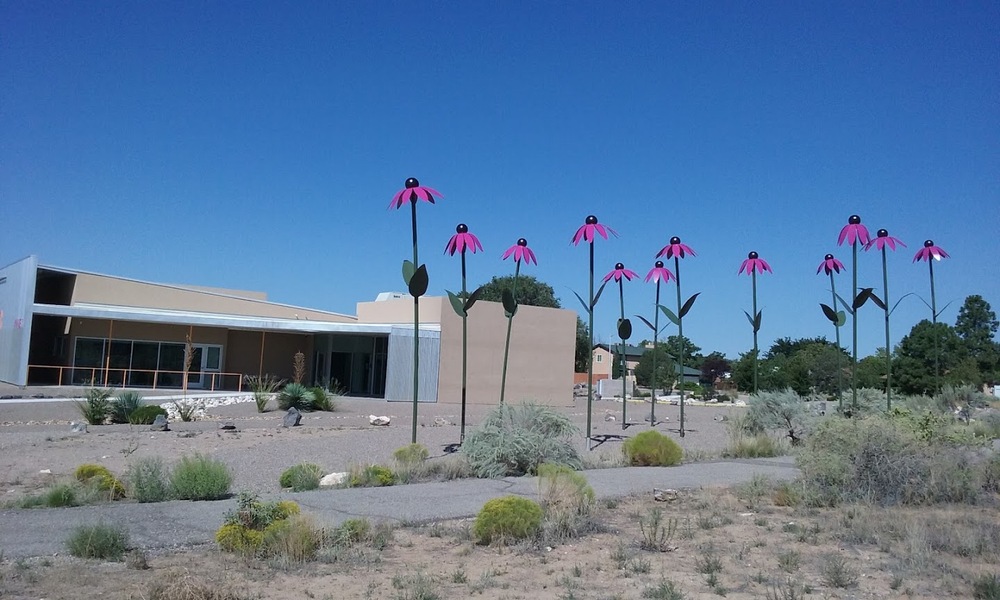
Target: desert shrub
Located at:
point(106, 542)
point(295, 395)
point(879, 459)
point(263, 389)
point(96, 407)
point(986, 587)
point(147, 480)
point(60, 495)
point(353, 531)
point(370, 476)
point(257, 527)
point(566, 499)
point(783, 411)
point(322, 400)
point(987, 425)
point(101, 479)
point(411, 454)
point(302, 477)
point(652, 449)
point(146, 414)
point(293, 539)
point(957, 398)
point(747, 439)
point(123, 405)
point(233, 537)
point(200, 477)
point(514, 439)
point(507, 519)
point(187, 411)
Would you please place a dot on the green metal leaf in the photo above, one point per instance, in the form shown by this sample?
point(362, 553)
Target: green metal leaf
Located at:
point(878, 301)
point(669, 313)
point(648, 324)
point(509, 304)
point(900, 300)
point(456, 303)
point(861, 298)
point(472, 298)
point(418, 283)
point(749, 318)
point(583, 302)
point(846, 305)
point(597, 296)
point(624, 329)
point(756, 321)
point(408, 270)
point(687, 305)
point(829, 312)
point(841, 318)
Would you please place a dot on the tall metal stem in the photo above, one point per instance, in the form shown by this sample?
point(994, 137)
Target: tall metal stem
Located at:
point(416, 323)
point(753, 278)
point(680, 339)
point(656, 331)
point(888, 348)
point(506, 345)
point(590, 362)
point(854, 327)
point(624, 369)
point(465, 351)
point(937, 341)
point(840, 359)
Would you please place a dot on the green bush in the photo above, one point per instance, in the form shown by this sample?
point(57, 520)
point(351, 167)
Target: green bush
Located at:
point(322, 400)
point(567, 499)
point(507, 519)
point(370, 476)
point(106, 542)
point(123, 405)
point(96, 407)
point(411, 454)
point(101, 479)
point(258, 527)
point(200, 477)
point(295, 395)
point(652, 449)
point(148, 480)
point(986, 587)
point(263, 388)
point(353, 531)
point(302, 477)
point(60, 495)
point(514, 439)
point(146, 414)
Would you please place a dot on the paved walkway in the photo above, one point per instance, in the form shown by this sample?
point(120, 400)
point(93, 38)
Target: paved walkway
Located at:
point(166, 525)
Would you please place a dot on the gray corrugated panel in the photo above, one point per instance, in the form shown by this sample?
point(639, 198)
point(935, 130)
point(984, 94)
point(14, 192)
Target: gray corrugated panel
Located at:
point(399, 371)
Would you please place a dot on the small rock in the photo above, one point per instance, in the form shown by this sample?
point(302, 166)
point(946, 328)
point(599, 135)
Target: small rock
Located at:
point(291, 418)
point(441, 422)
point(333, 479)
point(46, 471)
point(78, 427)
point(187, 434)
point(380, 421)
point(159, 424)
point(667, 495)
point(227, 426)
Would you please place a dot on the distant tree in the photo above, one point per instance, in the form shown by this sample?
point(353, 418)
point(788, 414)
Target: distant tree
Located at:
point(773, 373)
point(583, 351)
point(788, 347)
point(692, 353)
point(530, 291)
point(977, 326)
point(713, 367)
point(913, 369)
point(871, 371)
point(665, 369)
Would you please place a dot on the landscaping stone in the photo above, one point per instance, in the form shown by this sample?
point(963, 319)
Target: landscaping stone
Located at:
point(159, 424)
point(292, 418)
point(381, 421)
point(76, 427)
point(227, 426)
point(333, 479)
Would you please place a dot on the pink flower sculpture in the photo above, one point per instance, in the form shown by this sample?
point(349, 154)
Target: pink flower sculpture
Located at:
point(675, 248)
point(587, 232)
point(883, 239)
point(413, 192)
point(619, 272)
point(930, 251)
point(754, 262)
point(853, 231)
point(462, 240)
point(520, 251)
point(830, 265)
point(659, 273)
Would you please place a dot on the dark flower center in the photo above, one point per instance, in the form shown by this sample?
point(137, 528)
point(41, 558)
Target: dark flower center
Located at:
point(591, 220)
point(675, 240)
point(619, 266)
point(854, 220)
point(828, 257)
point(411, 183)
point(883, 233)
point(659, 264)
point(522, 242)
point(928, 243)
point(752, 255)
point(462, 228)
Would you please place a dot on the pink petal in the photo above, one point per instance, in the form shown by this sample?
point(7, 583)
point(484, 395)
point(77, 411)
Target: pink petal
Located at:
point(766, 266)
point(509, 251)
point(843, 235)
point(600, 230)
point(662, 251)
point(608, 277)
point(863, 233)
point(578, 235)
point(650, 275)
point(434, 192)
point(530, 255)
point(744, 266)
point(476, 243)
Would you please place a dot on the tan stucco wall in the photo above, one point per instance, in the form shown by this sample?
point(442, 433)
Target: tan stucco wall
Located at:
point(602, 366)
point(243, 353)
point(103, 289)
point(159, 332)
point(400, 310)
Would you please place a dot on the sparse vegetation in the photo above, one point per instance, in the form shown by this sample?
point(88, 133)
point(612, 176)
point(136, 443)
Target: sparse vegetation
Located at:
point(146, 414)
point(322, 400)
point(652, 449)
point(123, 405)
point(514, 439)
point(302, 477)
point(370, 476)
point(148, 480)
point(96, 406)
point(263, 389)
point(200, 477)
point(105, 542)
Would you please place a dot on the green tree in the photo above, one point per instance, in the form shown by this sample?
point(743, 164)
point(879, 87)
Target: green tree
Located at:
point(692, 353)
point(916, 359)
point(773, 373)
point(530, 291)
point(713, 367)
point(871, 371)
point(789, 347)
point(583, 354)
point(665, 369)
point(977, 326)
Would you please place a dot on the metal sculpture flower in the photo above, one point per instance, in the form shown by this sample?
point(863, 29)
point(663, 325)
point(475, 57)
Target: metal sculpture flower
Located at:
point(460, 242)
point(928, 252)
point(854, 233)
point(883, 240)
point(658, 273)
point(588, 232)
point(520, 251)
point(752, 265)
point(620, 274)
point(831, 265)
point(415, 275)
point(676, 250)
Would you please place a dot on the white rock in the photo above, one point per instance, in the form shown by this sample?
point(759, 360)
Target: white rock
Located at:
point(46, 471)
point(378, 420)
point(333, 479)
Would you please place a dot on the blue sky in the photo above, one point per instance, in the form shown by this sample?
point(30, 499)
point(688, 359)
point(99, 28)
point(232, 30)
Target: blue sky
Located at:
point(257, 146)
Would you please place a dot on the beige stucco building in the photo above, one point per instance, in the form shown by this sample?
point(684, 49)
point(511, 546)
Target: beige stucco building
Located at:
point(69, 327)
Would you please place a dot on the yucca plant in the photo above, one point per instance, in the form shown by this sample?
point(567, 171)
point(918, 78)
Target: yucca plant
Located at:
point(263, 388)
point(96, 407)
point(295, 395)
point(124, 404)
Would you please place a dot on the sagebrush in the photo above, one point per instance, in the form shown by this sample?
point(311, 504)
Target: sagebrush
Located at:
point(514, 439)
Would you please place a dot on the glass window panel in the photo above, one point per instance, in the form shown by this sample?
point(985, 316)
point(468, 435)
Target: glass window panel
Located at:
point(89, 354)
point(144, 361)
point(171, 359)
point(213, 358)
point(118, 361)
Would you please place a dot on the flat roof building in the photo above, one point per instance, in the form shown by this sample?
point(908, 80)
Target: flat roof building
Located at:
point(63, 326)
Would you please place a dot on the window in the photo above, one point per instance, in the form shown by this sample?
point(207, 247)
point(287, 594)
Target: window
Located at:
point(600, 358)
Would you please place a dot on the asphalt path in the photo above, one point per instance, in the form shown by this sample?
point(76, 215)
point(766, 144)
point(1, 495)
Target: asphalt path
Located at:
point(171, 525)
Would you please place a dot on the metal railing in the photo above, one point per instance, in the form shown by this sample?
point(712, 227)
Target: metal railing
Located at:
point(141, 378)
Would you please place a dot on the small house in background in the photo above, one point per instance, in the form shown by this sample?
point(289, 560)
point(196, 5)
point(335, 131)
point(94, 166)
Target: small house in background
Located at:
point(605, 356)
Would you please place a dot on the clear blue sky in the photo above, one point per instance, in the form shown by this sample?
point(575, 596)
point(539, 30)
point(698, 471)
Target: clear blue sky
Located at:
point(256, 145)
